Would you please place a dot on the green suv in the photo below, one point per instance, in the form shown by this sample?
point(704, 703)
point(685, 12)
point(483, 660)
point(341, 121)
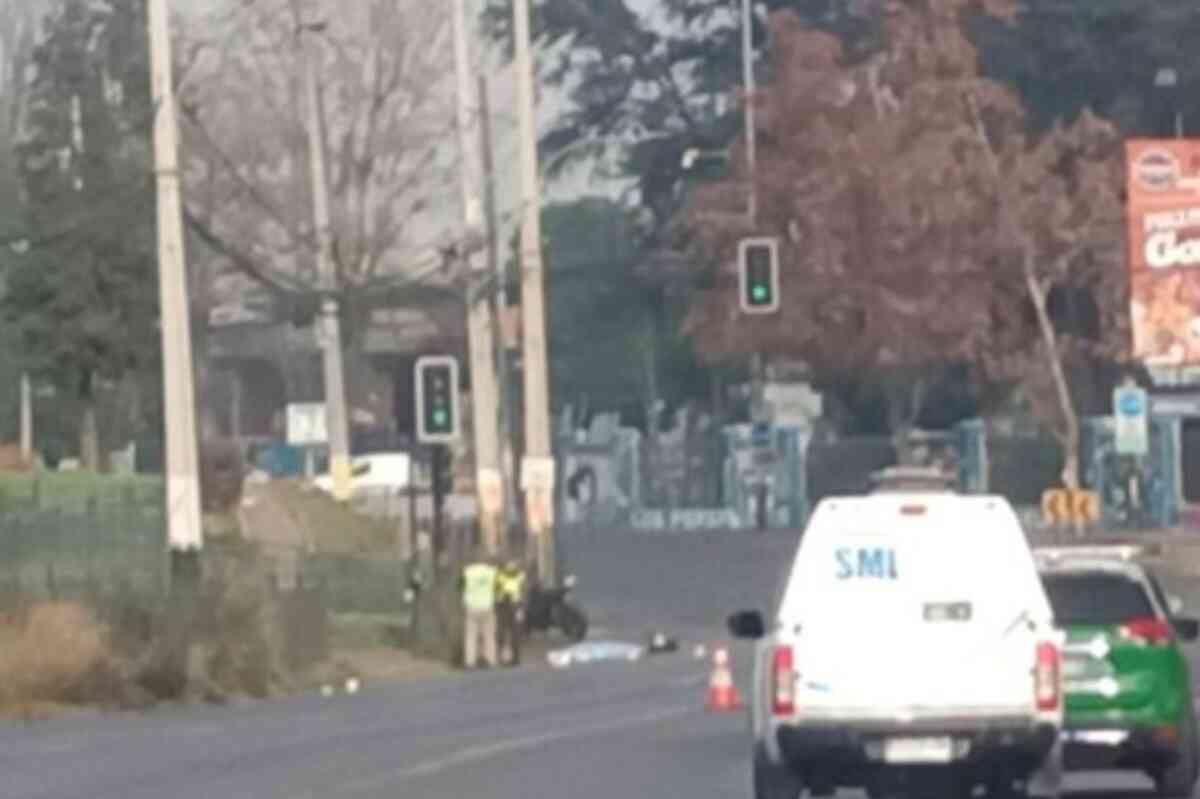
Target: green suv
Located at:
point(1126, 679)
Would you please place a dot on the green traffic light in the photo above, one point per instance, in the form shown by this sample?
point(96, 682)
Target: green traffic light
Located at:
point(759, 293)
point(439, 417)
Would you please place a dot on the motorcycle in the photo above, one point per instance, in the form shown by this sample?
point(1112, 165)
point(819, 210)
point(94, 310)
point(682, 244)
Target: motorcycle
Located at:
point(547, 608)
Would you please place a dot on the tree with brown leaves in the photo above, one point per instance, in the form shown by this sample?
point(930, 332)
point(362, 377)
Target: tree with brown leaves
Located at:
point(919, 223)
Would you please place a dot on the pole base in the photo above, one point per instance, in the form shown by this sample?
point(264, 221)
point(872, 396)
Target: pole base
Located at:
point(186, 568)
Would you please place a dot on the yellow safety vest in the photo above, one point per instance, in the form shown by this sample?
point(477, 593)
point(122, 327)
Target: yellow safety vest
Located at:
point(510, 586)
point(479, 591)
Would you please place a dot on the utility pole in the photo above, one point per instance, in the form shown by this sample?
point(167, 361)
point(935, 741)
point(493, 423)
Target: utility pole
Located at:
point(336, 421)
point(759, 410)
point(751, 131)
point(508, 422)
point(26, 419)
point(485, 402)
point(184, 530)
point(537, 468)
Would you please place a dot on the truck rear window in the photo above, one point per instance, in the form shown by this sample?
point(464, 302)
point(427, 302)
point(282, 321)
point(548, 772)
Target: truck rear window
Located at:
point(1096, 598)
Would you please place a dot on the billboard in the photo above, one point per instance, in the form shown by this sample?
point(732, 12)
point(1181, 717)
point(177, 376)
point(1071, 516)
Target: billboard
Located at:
point(1163, 181)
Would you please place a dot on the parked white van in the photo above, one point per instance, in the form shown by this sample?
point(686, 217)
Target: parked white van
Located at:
point(912, 646)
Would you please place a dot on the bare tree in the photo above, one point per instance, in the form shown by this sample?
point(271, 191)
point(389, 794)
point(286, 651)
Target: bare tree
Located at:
point(387, 111)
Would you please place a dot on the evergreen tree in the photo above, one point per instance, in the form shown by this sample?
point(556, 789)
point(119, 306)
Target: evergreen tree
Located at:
point(83, 298)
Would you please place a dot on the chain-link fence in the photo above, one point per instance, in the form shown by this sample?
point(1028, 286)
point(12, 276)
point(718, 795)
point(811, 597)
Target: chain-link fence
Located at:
point(61, 539)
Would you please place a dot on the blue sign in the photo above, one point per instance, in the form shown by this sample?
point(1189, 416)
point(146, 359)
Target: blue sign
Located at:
point(760, 435)
point(1130, 403)
point(1131, 429)
point(878, 563)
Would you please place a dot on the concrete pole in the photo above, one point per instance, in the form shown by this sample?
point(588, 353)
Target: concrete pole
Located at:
point(336, 422)
point(184, 530)
point(26, 419)
point(508, 422)
point(539, 491)
point(485, 399)
point(235, 407)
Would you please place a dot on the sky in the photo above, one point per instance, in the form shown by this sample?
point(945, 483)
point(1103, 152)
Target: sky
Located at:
point(550, 104)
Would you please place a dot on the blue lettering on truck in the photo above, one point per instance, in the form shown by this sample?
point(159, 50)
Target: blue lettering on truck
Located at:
point(877, 563)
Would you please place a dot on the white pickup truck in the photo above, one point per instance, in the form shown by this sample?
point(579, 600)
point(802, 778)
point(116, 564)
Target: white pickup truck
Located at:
point(912, 647)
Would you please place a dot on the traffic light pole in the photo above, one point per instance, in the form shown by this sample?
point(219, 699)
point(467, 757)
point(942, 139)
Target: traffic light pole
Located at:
point(749, 87)
point(757, 363)
point(438, 424)
point(438, 455)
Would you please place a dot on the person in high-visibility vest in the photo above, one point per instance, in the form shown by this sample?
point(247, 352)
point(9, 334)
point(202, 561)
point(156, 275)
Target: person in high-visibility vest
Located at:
point(479, 606)
point(510, 598)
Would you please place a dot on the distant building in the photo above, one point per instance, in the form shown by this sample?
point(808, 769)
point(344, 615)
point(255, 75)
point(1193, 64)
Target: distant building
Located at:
point(261, 360)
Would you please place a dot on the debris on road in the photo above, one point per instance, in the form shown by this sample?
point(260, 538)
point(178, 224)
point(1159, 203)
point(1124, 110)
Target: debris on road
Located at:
point(351, 686)
point(595, 651)
point(661, 643)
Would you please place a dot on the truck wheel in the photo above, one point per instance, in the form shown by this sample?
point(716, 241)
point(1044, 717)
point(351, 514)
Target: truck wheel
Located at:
point(772, 781)
point(1178, 780)
point(1046, 782)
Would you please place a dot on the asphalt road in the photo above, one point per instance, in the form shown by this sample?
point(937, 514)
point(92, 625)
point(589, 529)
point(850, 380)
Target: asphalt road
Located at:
point(604, 731)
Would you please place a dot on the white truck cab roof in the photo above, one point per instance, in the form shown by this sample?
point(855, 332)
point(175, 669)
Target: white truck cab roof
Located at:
point(863, 554)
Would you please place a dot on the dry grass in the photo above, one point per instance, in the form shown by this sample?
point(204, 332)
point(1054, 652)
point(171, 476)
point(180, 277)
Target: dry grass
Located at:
point(214, 645)
point(54, 654)
point(331, 527)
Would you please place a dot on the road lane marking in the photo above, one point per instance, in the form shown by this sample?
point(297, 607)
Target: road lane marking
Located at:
point(475, 754)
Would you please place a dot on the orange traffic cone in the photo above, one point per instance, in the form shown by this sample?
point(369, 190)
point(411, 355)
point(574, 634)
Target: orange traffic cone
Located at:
point(722, 693)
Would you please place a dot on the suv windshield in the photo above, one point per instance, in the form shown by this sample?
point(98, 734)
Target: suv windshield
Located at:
point(1096, 598)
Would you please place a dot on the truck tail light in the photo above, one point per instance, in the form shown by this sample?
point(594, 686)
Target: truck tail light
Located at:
point(1148, 630)
point(783, 682)
point(1046, 681)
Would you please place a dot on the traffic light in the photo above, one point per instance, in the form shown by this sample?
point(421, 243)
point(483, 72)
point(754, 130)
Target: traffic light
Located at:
point(758, 275)
point(437, 399)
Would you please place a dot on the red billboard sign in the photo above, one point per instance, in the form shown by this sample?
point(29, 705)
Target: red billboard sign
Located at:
point(1163, 180)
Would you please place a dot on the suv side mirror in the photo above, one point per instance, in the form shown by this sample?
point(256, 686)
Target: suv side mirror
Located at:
point(1186, 629)
point(747, 624)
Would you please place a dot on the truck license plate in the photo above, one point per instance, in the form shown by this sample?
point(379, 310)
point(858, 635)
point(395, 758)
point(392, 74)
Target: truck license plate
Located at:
point(918, 750)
